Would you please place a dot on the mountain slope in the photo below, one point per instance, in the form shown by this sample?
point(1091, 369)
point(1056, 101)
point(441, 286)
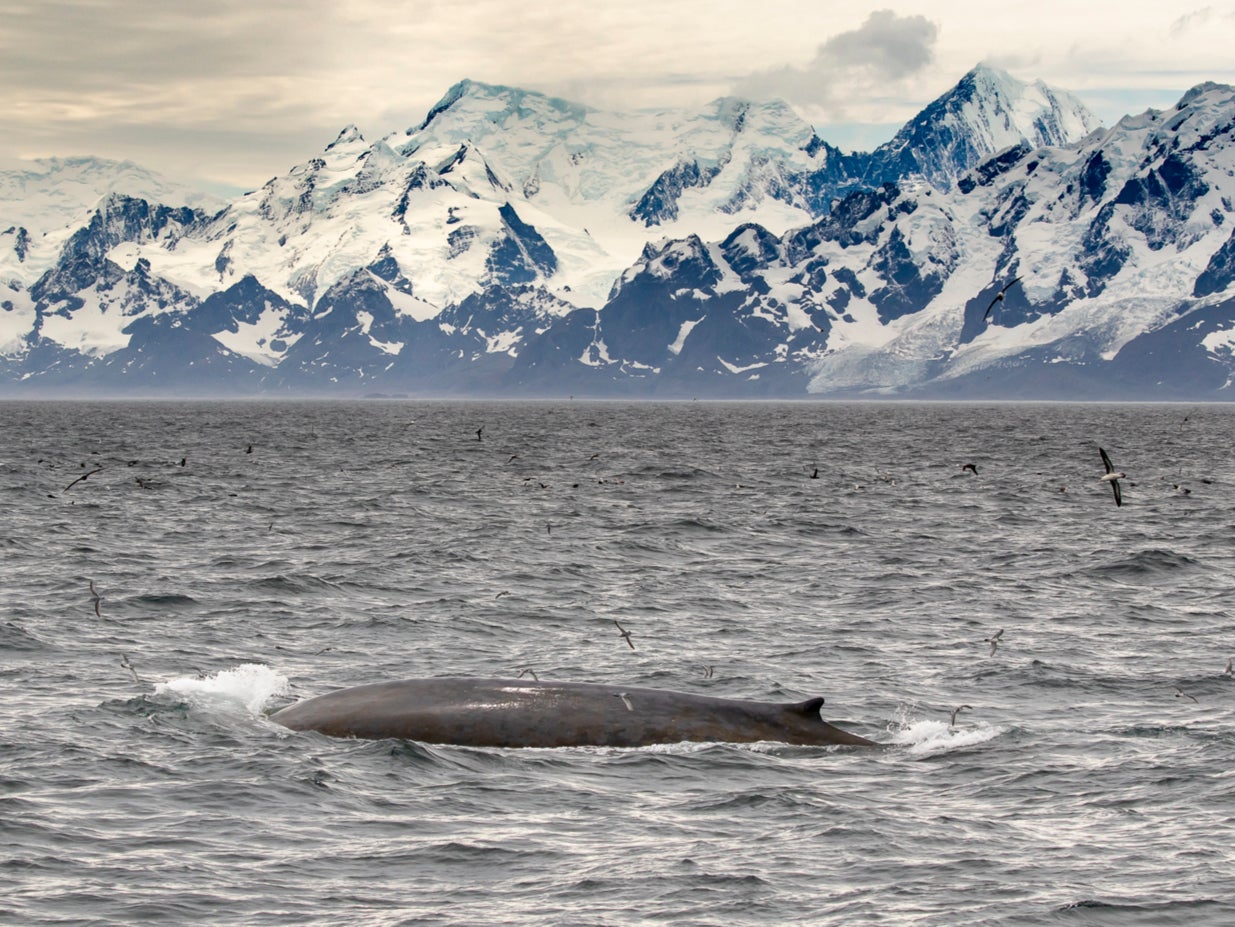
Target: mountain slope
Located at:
point(1122, 246)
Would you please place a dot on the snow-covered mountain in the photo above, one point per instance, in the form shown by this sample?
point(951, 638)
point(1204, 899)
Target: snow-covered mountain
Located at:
point(44, 203)
point(515, 242)
point(986, 112)
point(1121, 244)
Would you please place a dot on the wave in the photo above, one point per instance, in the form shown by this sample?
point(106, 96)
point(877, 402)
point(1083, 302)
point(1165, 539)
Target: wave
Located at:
point(15, 637)
point(1124, 914)
point(1146, 563)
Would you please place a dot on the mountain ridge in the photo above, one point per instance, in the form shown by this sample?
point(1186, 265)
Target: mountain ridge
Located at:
point(518, 243)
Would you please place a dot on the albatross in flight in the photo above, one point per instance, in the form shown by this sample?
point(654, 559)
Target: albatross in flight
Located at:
point(999, 297)
point(1112, 476)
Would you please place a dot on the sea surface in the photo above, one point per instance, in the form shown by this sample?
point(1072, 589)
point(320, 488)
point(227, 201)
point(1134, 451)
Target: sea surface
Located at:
point(246, 555)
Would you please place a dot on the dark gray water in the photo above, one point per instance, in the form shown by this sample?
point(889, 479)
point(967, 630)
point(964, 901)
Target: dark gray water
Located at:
point(1091, 782)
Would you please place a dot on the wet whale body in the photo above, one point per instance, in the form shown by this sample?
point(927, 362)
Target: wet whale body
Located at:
point(518, 713)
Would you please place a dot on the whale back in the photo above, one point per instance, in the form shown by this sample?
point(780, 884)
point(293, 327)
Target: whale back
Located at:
point(519, 713)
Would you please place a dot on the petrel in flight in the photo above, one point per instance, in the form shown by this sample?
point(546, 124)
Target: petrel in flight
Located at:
point(999, 297)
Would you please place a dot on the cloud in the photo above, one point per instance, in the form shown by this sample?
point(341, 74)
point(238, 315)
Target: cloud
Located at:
point(1192, 19)
point(864, 63)
point(886, 45)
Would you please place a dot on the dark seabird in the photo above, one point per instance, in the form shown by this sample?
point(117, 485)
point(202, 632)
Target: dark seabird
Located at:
point(815, 475)
point(993, 640)
point(84, 476)
point(124, 661)
point(528, 671)
point(972, 468)
point(707, 672)
point(478, 431)
point(95, 598)
point(1180, 693)
point(956, 711)
point(622, 632)
point(999, 297)
point(1112, 476)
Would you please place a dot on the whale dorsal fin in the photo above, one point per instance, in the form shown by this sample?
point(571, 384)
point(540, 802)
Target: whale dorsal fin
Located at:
point(809, 707)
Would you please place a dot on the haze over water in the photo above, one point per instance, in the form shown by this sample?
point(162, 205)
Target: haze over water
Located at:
point(1089, 783)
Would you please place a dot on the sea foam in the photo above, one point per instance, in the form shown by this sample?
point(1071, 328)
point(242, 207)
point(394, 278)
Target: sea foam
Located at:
point(246, 687)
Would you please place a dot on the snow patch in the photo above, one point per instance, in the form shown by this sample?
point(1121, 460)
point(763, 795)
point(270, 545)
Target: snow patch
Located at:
point(687, 327)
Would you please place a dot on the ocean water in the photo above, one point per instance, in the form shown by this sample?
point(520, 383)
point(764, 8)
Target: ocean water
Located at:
point(770, 551)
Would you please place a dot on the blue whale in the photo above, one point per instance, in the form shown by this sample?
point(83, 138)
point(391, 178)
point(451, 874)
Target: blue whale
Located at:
point(517, 713)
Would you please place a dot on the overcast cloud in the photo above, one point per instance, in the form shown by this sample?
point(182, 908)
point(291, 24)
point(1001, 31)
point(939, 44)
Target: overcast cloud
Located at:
point(877, 60)
point(237, 90)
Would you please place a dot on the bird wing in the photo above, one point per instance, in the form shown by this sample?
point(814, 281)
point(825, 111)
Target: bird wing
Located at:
point(1008, 284)
point(84, 476)
point(999, 296)
point(1118, 495)
point(1106, 461)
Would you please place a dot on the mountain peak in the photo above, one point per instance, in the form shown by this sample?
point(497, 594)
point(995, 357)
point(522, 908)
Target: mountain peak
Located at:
point(348, 136)
point(986, 111)
point(1205, 89)
point(497, 104)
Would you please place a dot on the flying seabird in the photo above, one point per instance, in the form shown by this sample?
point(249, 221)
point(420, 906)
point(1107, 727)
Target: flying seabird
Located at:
point(956, 711)
point(999, 297)
point(1112, 476)
point(96, 599)
point(528, 671)
point(84, 476)
point(622, 632)
point(124, 661)
point(972, 468)
point(1180, 693)
point(478, 431)
point(993, 640)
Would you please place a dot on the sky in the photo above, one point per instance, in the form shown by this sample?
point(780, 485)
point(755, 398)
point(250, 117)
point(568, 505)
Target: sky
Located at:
point(233, 92)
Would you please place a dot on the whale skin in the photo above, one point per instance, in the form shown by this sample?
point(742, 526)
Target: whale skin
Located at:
point(518, 713)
